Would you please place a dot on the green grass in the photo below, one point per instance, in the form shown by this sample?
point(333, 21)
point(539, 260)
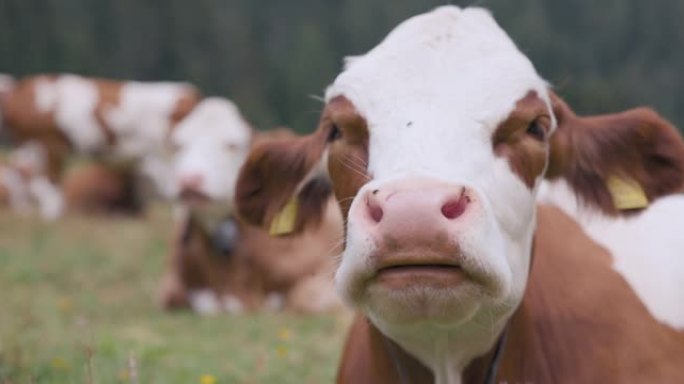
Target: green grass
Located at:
point(77, 306)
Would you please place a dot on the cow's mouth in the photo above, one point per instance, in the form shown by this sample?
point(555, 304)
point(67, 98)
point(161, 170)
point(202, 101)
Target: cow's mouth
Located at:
point(409, 272)
point(193, 197)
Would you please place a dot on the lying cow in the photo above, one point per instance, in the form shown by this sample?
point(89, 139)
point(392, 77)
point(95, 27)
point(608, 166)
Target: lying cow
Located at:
point(218, 263)
point(88, 189)
point(113, 119)
point(436, 143)
point(24, 183)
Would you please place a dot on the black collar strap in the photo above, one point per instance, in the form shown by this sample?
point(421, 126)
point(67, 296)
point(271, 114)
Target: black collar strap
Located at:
point(493, 369)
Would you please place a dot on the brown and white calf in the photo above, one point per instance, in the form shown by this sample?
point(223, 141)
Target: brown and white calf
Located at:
point(437, 143)
point(121, 120)
point(220, 263)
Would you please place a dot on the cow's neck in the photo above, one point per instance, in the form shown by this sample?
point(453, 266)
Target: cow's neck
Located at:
point(210, 216)
point(454, 356)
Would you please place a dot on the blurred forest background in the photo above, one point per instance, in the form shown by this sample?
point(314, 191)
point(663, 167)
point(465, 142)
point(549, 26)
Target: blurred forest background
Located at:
point(270, 56)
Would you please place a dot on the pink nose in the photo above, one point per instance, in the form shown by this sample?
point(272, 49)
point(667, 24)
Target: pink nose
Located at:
point(191, 182)
point(415, 208)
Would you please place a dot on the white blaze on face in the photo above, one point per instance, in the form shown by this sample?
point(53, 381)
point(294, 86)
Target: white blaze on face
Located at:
point(142, 120)
point(72, 99)
point(433, 93)
point(212, 144)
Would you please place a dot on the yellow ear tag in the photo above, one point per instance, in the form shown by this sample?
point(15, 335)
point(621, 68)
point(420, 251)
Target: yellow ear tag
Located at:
point(284, 222)
point(626, 193)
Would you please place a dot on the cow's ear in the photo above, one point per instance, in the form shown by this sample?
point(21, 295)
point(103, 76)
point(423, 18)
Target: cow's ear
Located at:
point(617, 162)
point(283, 186)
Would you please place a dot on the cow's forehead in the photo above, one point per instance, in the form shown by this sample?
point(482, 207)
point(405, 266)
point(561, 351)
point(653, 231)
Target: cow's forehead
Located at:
point(446, 64)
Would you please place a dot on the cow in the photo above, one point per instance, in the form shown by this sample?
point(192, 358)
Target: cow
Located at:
point(91, 188)
point(438, 143)
point(218, 262)
point(116, 120)
point(24, 183)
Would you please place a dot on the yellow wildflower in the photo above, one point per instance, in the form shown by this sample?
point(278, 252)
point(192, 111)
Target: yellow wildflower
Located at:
point(284, 334)
point(208, 379)
point(282, 351)
point(60, 364)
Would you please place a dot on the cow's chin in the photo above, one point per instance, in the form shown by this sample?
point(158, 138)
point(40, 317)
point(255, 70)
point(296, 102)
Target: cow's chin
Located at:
point(423, 303)
point(208, 204)
point(440, 292)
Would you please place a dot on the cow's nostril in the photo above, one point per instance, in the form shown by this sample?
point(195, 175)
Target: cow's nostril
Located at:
point(374, 210)
point(454, 208)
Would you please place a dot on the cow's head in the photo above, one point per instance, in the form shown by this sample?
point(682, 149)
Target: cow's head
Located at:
point(211, 145)
point(435, 142)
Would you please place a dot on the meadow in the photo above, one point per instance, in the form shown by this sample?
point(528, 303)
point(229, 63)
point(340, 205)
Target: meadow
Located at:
point(78, 306)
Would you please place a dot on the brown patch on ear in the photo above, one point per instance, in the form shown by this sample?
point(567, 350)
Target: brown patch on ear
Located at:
point(271, 175)
point(526, 153)
point(185, 104)
point(637, 144)
point(276, 168)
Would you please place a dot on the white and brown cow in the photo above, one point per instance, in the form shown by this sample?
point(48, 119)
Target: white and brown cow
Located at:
point(119, 120)
point(437, 142)
point(219, 263)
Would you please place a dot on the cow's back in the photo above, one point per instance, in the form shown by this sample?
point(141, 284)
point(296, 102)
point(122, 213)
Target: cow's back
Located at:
point(23, 115)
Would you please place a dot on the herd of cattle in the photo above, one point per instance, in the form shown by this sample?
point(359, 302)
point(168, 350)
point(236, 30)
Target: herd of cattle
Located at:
point(186, 148)
point(490, 233)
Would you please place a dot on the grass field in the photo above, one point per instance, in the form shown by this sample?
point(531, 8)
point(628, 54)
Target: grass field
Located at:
point(77, 306)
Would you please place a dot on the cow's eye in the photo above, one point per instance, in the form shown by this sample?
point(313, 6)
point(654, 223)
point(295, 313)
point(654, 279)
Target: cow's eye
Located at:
point(535, 130)
point(335, 133)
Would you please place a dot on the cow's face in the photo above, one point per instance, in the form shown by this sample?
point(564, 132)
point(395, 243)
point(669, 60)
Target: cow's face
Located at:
point(211, 145)
point(435, 143)
point(443, 129)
